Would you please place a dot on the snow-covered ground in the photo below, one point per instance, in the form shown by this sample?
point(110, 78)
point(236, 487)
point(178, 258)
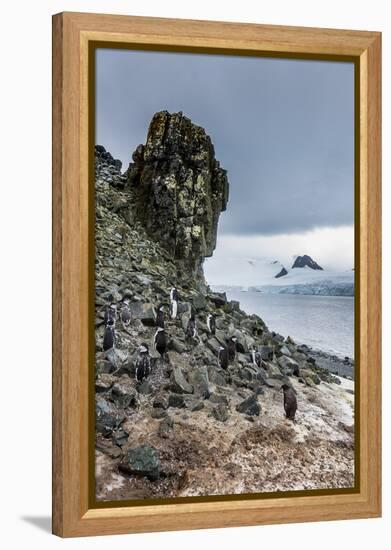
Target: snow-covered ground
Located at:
point(261, 275)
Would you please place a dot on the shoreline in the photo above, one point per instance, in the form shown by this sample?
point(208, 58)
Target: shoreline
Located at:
point(338, 363)
point(343, 367)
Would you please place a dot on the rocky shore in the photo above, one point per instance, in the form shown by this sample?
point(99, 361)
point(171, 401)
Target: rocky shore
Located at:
point(191, 427)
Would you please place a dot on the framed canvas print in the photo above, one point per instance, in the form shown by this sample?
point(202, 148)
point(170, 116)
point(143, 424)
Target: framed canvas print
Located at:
point(216, 230)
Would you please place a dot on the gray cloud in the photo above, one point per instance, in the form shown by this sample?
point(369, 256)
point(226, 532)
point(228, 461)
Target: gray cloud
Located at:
point(284, 129)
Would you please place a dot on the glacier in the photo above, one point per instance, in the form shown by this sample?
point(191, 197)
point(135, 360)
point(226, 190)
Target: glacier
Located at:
point(259, 275)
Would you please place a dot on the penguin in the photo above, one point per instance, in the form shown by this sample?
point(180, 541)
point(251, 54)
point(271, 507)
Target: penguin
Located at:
point(191, 329)
point(110, 315)
point(109, 337)
point(160, 341)
point(143, 363)
point(211, 323)
point(173, 303)
point(159, 321)
point(290, 401)
point(231, 348)
point(126, 316)
point(223, 358)
point(173, 294)
point(256, 357)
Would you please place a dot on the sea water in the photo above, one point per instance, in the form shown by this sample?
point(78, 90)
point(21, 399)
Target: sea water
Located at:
point(321, 322)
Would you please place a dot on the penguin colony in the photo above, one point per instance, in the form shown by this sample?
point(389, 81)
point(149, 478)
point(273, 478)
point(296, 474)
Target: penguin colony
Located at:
point(143, 366)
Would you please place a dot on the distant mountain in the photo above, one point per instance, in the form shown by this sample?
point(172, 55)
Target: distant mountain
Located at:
point(306, 261)
point(270, 276)
point(281, 273)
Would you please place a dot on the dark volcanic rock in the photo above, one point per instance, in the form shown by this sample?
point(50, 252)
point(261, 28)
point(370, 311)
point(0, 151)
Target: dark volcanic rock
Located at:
point(179, 383)
point(107, 417)
point(179, 190)
point(102, 154)
point(220, 412)
point(200, 381)
point(176, 400)
point(249, 406)
point(306, 261)
point(124, 394)
point(281, 273)
point(144, 461)
point(145, 312)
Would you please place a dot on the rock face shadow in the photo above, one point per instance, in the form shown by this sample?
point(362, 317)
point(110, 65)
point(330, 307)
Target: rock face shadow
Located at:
point(44, 523)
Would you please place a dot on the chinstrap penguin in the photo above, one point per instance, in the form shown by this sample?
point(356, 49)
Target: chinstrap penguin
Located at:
point(173, 303)
point(191, 329)
point(109, 337)
point(143, 363)
point(211, 323)
point(232, 348)
point(290, 402)
point(126, 316)
point(160, 341)
point(159, 321)
point(223, 358)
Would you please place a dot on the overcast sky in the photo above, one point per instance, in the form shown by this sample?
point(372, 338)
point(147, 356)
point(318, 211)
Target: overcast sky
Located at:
point(283, 129)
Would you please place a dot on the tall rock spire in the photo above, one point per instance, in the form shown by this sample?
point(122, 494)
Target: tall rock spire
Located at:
point(179, 190)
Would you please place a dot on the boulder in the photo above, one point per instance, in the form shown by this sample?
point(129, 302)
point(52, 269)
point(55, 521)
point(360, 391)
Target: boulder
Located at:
point(124, 396)
point(161, 401)
point(288, 366)
point(273, 371)
point(286, 351)
point(266, 352)
point(308, 374)
point(103, 383)
point(176, 345)
point(199, 379)
point(107, 417)
point(165, 427)
point(197, 406)
point(232, 306)
point(143, 461)
point(220, 412)
point(199, 301)
point(179, 384)
point(249, 406)
point(143, 311)
point(217, 376)
point(214, 345)
point(218, 298)
point(103, 367)
point(176, 400)
point(145, 387)
point(158, 412)
point(219, 399)
point(113, 358)
point(274, 383)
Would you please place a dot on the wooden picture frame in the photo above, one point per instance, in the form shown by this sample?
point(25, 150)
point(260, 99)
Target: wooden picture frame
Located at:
point(73, 34)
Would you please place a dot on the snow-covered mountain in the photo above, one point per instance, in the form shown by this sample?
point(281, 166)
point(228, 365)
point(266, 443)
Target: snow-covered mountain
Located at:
point(271, 276)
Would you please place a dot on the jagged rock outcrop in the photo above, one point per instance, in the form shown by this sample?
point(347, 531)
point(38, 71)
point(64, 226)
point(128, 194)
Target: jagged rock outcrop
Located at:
point(306, 261)
point(281, 273)
point(179, 190)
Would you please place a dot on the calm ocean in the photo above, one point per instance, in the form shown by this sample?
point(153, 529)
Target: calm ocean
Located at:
point(322, 322)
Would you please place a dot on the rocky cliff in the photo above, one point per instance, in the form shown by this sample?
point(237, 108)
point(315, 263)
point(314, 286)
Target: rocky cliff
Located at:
point(179, 190)
point(193, 428)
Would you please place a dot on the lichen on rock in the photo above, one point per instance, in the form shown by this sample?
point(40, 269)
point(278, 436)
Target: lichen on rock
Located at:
point(179, 190)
